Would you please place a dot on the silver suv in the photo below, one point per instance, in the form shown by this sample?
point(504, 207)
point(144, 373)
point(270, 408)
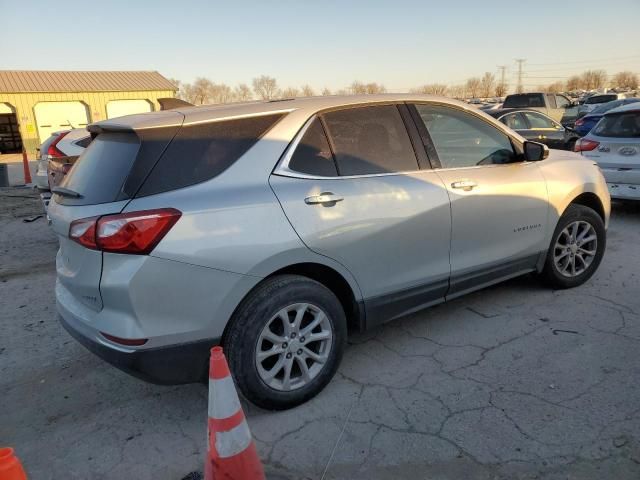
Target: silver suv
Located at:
point(274, 228)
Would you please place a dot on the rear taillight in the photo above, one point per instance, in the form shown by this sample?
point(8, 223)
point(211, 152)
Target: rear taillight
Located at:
point(129, 342)
point(133, 233)
point(579, 122)
point(53, 151)
point(584, 145)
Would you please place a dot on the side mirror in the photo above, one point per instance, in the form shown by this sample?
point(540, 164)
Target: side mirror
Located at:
point(534, 151)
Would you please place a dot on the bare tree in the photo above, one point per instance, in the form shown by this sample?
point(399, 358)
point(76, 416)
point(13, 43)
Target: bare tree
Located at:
point(307, 91)
point(290, 92)
point(265, 87)
point(458, 91)
point(178, 84)
point(473, 86)
point(593, 79)
point(555, 87)
point(326, 91)
point(242, 93)
point(375, 88)
point(359, 88)
point(431, 89)
point(220, 93)
point(574, 82)
point(501, 89)
point(487, 85)
point(199, 91)
point(625, 79)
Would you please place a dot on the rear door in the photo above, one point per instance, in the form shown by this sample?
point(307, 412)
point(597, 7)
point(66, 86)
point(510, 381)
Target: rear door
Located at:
point(498, 204)
point(543, 129)
point(353, 190)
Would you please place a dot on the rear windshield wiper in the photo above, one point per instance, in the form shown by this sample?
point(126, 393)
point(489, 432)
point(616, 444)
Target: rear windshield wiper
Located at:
point(65, 192)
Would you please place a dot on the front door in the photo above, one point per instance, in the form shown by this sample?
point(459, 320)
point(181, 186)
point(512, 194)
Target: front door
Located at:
point(543, 129)
point(498, 203)
point(353, 191)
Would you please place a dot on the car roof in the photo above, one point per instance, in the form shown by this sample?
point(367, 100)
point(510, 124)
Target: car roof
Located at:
point(504, 111)
point(208, 113)
point(629, 107)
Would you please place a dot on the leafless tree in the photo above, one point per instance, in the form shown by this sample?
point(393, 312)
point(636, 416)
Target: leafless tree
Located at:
point(555, 87)
point(220, 93)
point(501, 89)
point(487, 85)
point(458, 91)
point(574, 82)
point(326, 91)
point(178, 84)
point(290, 92)
point(431, 89)
point(473, 86)
point(593, 79)
point(242, 93)
point(199, 91)
point(265, 87)
point(359, 88)
point(307, 91)
point(625, 79)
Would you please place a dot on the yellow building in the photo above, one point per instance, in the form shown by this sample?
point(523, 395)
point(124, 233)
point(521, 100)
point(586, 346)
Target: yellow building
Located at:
point(35, 103)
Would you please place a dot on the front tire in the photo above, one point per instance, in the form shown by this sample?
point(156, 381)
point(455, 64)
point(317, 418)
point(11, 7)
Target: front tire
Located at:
point(576, 249)
point(285, 341)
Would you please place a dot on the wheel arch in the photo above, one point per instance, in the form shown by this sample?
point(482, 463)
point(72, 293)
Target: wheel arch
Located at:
point(591, 200)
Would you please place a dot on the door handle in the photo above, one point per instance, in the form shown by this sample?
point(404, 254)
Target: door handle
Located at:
point(328, 199)
point(466, 185)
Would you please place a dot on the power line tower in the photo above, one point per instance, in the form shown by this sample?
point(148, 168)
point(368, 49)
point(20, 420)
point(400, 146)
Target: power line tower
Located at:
point(520, 62)
point(503, 86)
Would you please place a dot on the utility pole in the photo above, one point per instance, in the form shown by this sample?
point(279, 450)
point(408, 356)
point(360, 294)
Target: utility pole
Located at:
point(503, 86)
point(520, 62)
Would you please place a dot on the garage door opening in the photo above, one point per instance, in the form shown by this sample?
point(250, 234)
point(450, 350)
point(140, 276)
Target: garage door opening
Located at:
point(55, 116)
point(120, 108)
point(10, 139)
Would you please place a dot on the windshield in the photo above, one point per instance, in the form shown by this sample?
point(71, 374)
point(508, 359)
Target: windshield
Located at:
point(621, 125)
point(600, 99)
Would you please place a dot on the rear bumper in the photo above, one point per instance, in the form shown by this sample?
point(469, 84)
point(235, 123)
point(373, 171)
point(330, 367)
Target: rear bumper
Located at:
point(168, 365)
point(624, 191)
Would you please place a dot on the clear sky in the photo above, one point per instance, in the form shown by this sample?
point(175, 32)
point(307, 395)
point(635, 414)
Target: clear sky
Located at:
point(400, 43)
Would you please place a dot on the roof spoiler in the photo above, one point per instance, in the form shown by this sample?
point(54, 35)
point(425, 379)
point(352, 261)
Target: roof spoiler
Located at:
point(170, 102)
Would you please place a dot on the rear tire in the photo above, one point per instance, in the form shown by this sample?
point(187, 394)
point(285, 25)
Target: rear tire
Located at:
point(576, 249)
point(306, 353)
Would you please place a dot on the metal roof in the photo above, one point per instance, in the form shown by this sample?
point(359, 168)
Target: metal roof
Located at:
point(26, 81)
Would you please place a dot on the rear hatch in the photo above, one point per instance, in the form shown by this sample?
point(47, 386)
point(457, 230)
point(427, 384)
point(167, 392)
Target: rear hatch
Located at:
point(102, 181)
point(618, 149)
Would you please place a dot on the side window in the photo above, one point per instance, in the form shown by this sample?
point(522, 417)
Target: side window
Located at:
point(514, 121)
point(538, 121)
point(369, 140)
point(313, 155)
point(200, 152)
point(536, 101)
point(463, 140)
point(561, 101)
point(551, 98)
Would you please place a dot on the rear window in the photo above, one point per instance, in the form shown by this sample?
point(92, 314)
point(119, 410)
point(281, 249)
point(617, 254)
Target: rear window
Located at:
point(100, 171)
point(600, 99)
point(83, 142)
point(526, 100)
point(203, 151)
point(622, 125)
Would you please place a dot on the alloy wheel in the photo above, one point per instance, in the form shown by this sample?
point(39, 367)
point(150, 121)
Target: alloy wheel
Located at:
point(575, 248)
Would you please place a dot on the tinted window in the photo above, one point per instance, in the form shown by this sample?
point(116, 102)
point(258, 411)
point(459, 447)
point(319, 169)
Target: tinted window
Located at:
point(539, 121)
point(369, 140)
point(313, 155)
point(623, 125)
point(514, 121)
point(551, 100)
point(524, 100)
point(200, 152)
point(605, 107)
point(100, 171)
point(83, 142)
point(600, 99)
point(463, 140)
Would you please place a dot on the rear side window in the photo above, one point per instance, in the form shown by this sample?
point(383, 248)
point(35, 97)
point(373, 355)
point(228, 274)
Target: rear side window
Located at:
point(313, 155)
point(99, 172)
point(203, 151)
point(524, 101)
point(600, 99)
point(370, 140)
point(622, 125)
point(538, 121)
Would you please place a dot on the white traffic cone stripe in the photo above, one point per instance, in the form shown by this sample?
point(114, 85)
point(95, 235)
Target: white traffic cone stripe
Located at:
point(223, 399)
point(234, 441)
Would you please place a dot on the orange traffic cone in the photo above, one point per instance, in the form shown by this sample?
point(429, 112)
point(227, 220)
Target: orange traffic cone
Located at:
point(10, 466)
point(232, 454)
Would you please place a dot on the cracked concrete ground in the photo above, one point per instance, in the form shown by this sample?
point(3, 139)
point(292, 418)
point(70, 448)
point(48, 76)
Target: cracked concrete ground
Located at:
point(514, 382)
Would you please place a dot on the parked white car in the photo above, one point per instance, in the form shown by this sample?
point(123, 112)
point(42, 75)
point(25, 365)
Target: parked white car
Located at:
point(594, 100)
point(615, 144)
